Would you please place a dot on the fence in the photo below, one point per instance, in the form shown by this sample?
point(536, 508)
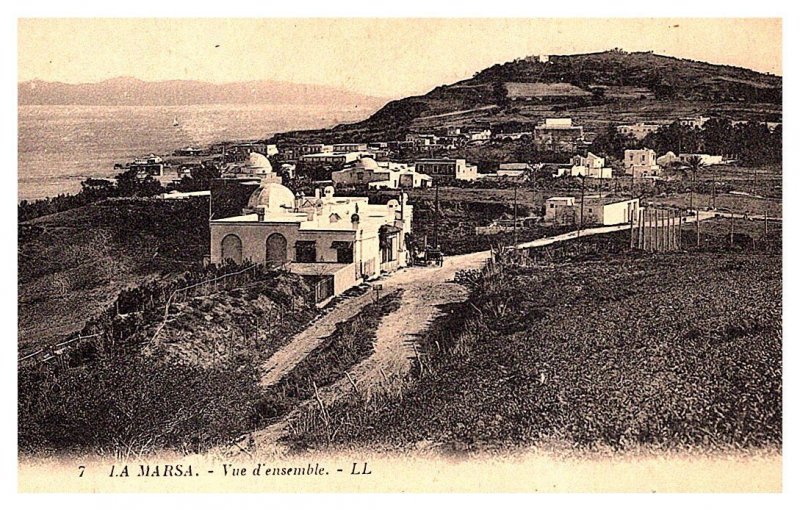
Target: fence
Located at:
point(657, 230)
point(52, 351)
point(166, 298)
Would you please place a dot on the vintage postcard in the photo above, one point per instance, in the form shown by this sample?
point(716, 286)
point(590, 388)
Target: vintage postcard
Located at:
point(400, 255)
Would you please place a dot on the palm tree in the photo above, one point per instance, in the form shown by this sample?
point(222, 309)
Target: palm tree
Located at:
point(695, 162)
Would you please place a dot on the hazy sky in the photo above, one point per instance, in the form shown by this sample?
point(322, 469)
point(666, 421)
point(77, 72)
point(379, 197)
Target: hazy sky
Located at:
point(383, 57)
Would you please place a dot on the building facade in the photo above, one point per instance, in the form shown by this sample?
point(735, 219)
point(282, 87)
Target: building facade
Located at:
point(641, 163)
point(638, 130)
point(340, 241)
point(558, 135)
point(444, 168)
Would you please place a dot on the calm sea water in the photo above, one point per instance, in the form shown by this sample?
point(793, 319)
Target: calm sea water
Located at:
point(59, 146)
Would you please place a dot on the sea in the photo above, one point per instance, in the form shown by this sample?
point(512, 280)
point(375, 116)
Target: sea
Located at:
point(60, 146)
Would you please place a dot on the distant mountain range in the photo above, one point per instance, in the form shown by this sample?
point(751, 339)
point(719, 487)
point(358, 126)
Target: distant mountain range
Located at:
point(135, 92)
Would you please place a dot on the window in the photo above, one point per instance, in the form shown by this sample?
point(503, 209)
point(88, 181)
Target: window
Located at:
point(344, 251)
point(305, 251)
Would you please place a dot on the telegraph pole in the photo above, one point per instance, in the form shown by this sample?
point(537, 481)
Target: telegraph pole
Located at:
point(515, 215)
point(436, 219)
point(583, 188)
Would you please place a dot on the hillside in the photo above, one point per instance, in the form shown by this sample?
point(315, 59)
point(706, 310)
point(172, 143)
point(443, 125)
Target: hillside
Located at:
point(596, 88)
point(131, 91)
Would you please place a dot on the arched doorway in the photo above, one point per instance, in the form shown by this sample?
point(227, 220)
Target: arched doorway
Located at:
point(232, 249)
point(276, 249)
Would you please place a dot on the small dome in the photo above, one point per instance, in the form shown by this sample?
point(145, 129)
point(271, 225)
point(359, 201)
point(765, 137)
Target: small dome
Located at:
point(257, 164)
point(367, 164)
point(273, 196)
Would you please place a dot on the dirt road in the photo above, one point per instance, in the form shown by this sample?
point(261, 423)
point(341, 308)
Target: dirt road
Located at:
point(426, 289)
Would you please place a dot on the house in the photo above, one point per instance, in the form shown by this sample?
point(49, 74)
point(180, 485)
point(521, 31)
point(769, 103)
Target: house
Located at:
point(445, 168)
point(239, 152)
point(383, 175)
point(479, 134)
point(705, 159)
point(349, 147)
point(335, 242)
point(609, 211)
point(560, 210)
point(312, 148)
point(638, 130)
point(152, 166)
point(558, 135)
point(331, 158)
point(590, 166)
point(422, 138)
point(596, 211)
point(641, 163)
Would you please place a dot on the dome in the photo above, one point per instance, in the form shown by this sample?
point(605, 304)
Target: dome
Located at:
point(258, 164)
point(272, 196)
point(367, 164)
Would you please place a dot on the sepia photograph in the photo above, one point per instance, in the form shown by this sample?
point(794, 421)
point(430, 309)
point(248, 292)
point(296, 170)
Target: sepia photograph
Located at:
point(399, 255)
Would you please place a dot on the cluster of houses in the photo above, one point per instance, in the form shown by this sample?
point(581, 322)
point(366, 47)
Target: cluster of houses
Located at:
point(337, 241)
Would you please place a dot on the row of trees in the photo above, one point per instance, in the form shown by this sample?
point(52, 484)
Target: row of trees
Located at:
point(751, 143)
point(126, 184)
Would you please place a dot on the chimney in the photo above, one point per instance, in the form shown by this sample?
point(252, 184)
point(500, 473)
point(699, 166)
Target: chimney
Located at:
point(317, 194)
point(261, 213)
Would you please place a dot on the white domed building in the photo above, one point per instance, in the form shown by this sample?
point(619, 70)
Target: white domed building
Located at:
point(383, 175)
point(337, 242)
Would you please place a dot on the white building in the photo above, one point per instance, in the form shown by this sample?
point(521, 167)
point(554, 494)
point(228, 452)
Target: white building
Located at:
point(590, 166)
point(445, 168)
point(705, 159)
point(641, 163)
point(479, 134)
point(349, 147)
point(596, 211)
point(610, 211)
point(380, 175)
point(335, 241)
point(331, 158)
point(560, 210)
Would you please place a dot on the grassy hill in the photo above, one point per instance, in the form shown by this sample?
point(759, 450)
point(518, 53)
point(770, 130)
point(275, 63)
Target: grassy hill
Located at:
point(74, 263)
point(596, 88)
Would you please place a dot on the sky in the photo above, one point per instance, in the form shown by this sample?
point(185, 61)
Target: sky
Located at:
point(386, 57)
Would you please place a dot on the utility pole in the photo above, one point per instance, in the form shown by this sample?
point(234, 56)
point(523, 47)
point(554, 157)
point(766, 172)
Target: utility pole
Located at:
point(583, 188)
point(731, 230)
point(436, 219)
point(714, 190)
point(697, 227)
point(515, 215)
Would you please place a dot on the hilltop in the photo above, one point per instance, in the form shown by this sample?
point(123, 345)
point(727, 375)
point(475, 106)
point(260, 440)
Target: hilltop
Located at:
point(129, 91)
point(597, 88)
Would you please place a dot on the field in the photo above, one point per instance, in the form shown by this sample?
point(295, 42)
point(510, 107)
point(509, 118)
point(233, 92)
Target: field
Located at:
point(598, 348)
